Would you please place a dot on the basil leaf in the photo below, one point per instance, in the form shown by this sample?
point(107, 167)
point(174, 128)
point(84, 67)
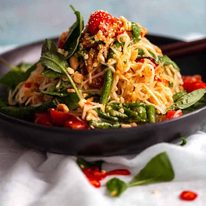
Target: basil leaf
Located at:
point(178, 95)
point(158, 169)
point(135, 31)
point(56, 94)
point(54, 61)
point(27, 111)
point(190, 99)
point(48, 46)
point(116, 187)
point(58, 63)
point(165, 60)
point(74, 35)
point(51, 74)
point(18, 74)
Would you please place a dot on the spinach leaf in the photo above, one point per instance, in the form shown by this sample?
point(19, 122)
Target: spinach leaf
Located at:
point(58, 63)
point(48, 45)
point(26, 112)
point(74, 35)
point(158, 169)
point(190, 99)
point(165, 60)
point(135, 31)
point(18, 74)
point(116, 187)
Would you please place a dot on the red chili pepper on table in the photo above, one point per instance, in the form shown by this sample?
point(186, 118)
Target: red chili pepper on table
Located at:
point(188, 195)
point(95, 174)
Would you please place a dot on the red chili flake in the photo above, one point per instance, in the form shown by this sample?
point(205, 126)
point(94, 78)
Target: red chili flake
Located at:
point(142, 59)
point(118, 172)
point(27, 84)
point(188, 195)
point(95, 183)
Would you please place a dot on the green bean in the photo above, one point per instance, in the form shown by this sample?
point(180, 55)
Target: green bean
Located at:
point(116, 106)
point(105, 116)
point(108, 78)
point(132, 115)
point(134, 105)
point(135, 31)
point(116, 113)
point(142, 113)
point(103, 125)
point(151, 113)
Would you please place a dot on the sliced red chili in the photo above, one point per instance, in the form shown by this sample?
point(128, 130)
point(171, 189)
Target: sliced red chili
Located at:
point(76, 123)
point(58, 117)
point(119, 172)
point(188, 195)
point(173, 114)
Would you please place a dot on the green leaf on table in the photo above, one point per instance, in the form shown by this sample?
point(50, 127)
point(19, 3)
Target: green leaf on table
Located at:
point(74, 35)
point(17, 74)
point(158, 169)
point(116, 187)
point(183, 141)
point(190, 99)
point(165, 61)
point(86, 164)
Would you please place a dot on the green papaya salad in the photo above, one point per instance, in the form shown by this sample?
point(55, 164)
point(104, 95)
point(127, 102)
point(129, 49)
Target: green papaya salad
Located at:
point(105, 74)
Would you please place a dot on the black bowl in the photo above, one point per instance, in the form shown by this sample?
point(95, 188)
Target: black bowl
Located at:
point(102, 142)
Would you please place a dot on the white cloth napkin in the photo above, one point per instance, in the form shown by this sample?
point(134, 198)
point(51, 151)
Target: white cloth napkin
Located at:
point(30, 178)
